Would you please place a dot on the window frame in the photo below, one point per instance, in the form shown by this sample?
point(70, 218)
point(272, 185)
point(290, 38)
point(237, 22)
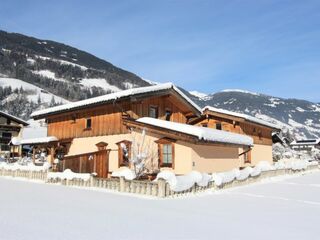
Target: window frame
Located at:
point(247, 156)
point(218, 124)
point(88, 127)
point(168, 113)
point(120, 153)
point(166, 141)
point(156, 108)
point(6, 137)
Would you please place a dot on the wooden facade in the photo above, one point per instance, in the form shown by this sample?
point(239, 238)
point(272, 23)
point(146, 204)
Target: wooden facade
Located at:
point(260, 134)
point(10, 127)
point(108, 119)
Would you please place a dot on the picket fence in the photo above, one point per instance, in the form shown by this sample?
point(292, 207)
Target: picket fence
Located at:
point(144, 187)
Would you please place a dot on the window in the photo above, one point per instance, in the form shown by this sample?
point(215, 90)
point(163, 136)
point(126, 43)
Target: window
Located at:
point(88, 123)
point(8, 121)
point(166, 152)
point(247, 156)
point(260, 134)
point(218, 126)
point(168, 115)
point(153, 112)
point(5, 147)
point(204, 124)
point(124, 153)
point(7, 135)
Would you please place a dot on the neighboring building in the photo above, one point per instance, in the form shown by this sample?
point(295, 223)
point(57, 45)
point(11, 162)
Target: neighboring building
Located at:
point(10, 126)
point(305, 145)
point(261, 132)
point(101, 134)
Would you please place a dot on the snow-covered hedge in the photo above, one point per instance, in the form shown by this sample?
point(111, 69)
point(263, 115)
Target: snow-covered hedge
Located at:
point(181, 183)
point(185, 182)
point(125, 172)
point(68, 175)
point(27, 167)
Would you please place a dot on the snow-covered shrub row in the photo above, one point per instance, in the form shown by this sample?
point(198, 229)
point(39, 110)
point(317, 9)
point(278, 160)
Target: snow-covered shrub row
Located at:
point(27, 167)
point(185, 182)
point(125, 172)
point(68, 175)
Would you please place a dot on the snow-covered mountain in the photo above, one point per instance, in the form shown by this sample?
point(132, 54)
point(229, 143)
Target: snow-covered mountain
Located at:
point(299, 118)
point(36, 73)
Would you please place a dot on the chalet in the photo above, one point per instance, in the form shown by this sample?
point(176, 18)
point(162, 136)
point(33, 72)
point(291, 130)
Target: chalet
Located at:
point(305, 145)
point(259, 130)
point(10, 126)
point(101, 134)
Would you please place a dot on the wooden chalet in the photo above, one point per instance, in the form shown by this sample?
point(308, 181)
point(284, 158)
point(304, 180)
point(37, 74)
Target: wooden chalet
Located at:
point(101, 134)
point(261, 132)
point(10, 126)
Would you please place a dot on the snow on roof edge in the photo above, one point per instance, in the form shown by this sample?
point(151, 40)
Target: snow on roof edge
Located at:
point(38, 140)
point(15, 118)
point(202, 133)
point(114, 96)
point(300, 143)
point(241, 115)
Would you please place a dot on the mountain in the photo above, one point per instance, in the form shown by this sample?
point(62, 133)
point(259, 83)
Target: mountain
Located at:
point(53, 73)
point(298, 118)
point(37, 74)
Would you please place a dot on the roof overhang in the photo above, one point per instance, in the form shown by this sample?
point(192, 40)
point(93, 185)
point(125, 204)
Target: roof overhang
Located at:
point(161, 90)
point(14, 118)
point(131, 123)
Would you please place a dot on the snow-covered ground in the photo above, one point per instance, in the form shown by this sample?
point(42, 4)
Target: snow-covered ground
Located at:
point(286, 208)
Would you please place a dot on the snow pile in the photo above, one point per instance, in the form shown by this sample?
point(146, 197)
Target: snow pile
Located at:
point(244, 173)
point(225, 177)
point(127, 173)
point(38, 140)
point(68, 175)
point(28, 167)
point(185, 182)
point(202, 133)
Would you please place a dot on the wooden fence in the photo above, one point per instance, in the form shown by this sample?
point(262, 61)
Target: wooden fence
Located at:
point(87, 163)
point(144, 187)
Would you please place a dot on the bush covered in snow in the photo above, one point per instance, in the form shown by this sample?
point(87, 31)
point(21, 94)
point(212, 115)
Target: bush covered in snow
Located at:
point(24, 167)
point(185, 182)
point(125, 172)
point(181, 183)
point(68, 175)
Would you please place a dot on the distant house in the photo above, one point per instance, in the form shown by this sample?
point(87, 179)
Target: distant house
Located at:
point(305, 145)
point(10, 126)
point(259, 130)
point(101, 134)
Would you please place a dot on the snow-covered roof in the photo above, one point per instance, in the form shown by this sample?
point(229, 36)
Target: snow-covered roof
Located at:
point(14, 118)
point(241, 115)
point(306, 142)
point(38, 140)
point(202, 133)
point(115, 96)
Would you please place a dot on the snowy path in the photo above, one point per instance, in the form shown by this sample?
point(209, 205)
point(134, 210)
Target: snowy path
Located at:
point(287, 209)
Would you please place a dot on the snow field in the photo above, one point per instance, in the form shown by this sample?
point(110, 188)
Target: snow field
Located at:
point(279, 209)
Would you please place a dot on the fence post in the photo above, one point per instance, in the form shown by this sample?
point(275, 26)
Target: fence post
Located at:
point(161, 188)
point(122, 184)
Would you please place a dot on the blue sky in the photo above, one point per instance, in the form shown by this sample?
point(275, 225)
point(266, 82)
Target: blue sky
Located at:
point(271, 47)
